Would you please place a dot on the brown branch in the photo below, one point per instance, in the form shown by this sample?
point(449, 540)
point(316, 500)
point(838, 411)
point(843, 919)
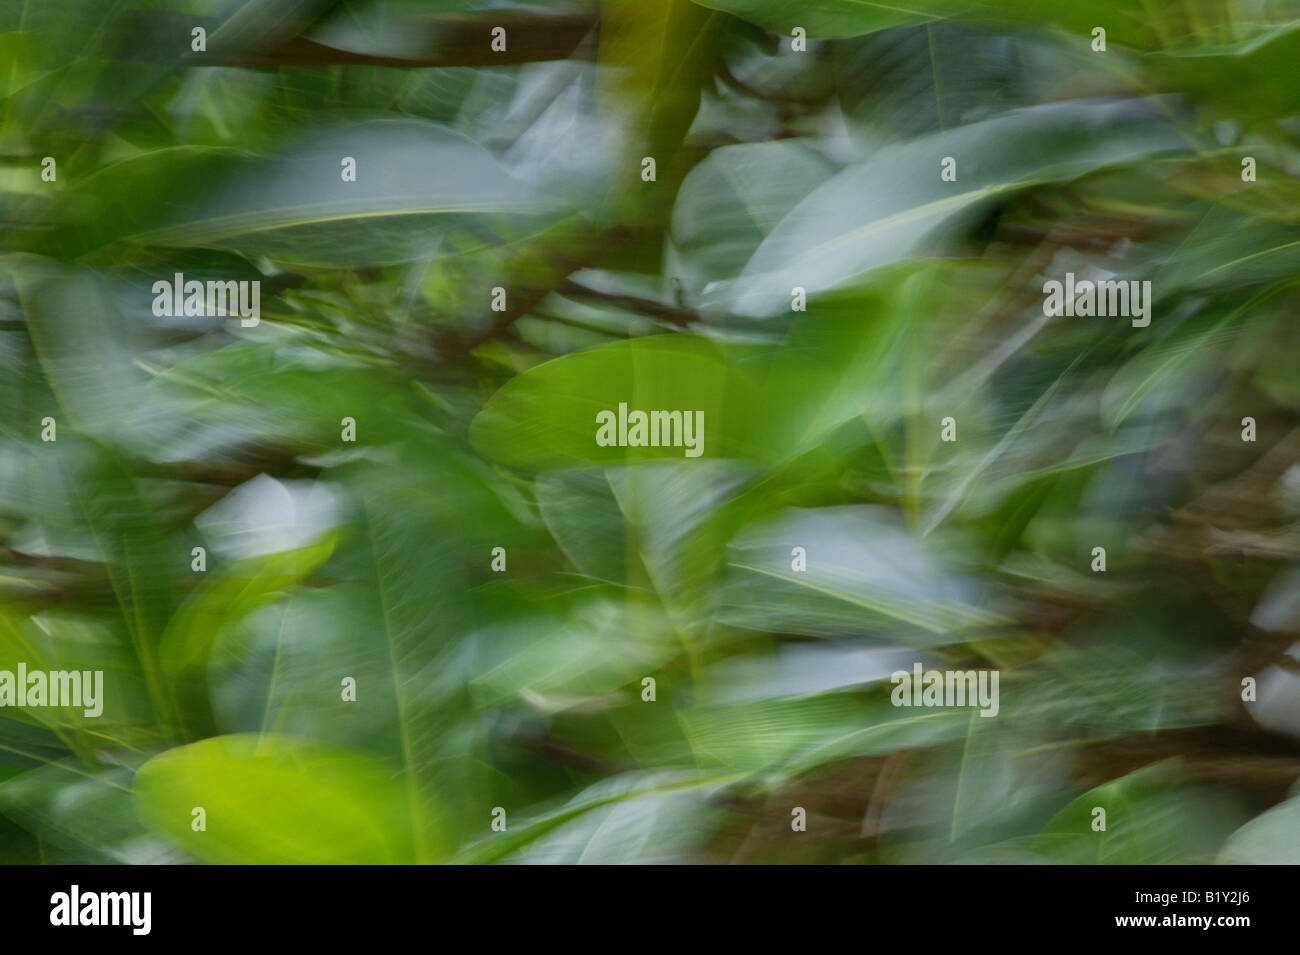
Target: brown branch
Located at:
point(675, 315)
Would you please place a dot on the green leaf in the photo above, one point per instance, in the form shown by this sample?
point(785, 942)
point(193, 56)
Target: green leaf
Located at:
point(879, 211)
point(785, 737)
point(276, 389)
point(731, 201)
point(60, 640)
point(630, 787)
point(1152, 818)
point(281, 670)
point(681, 525)
point(90, 814)
point(1227, 251)
point(1255, 77)
point(1272, 838)
point(413, 178)
point(225, 596)
point(423, 615)
point(583, 516)
point(85, 345)
point(863, 573)
point(987, 789)
point(1169, 372)
point(571, 655)
point(655, 829)
point(545, 418)
point(277, 801)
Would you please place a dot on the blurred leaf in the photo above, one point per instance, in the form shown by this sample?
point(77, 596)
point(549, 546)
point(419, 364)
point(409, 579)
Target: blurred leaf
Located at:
point(398, 33)
point(863, 574)
point(90, 814)
point(850, 225)
point(225, 595)
point(561, 658)
point(413, 177)
point(85, 345)
point(644, 788)
point(481, 683)
point(731, 201)
point(281, 668)
point(1251, 78)
point(800, 669)
point(272, 800)
point(982, 791)
point(583, 515)
point(1272, 838)
point(677, 510)
point(656, 829)
point(546, 417)
point(781, 738)
point(423, 613)
point(1151, 819)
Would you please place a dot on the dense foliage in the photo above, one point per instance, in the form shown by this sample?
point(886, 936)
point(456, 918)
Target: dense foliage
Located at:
point(775, 167)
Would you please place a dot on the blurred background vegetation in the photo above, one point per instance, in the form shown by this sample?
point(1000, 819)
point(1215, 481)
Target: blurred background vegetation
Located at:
point(522, 169)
